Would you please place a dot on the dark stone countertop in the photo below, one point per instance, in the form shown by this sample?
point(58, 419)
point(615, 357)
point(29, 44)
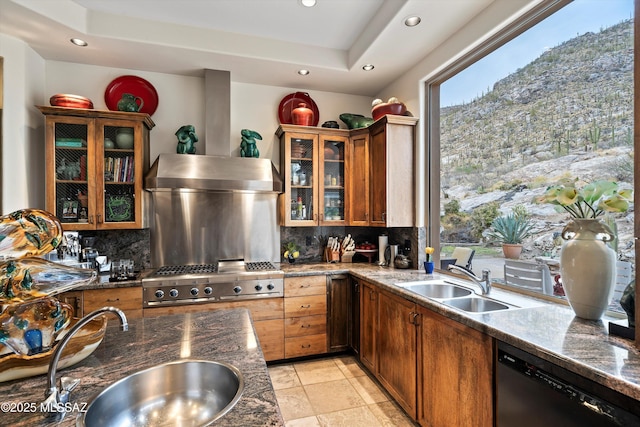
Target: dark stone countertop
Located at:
point(548, 330)
point(223, 335)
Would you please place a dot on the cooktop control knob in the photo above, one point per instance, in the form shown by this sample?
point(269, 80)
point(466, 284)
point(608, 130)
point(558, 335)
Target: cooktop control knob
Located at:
point(159, 294)
point(173, 292)
point(270, 286)
point(258, 287)
point(237, 289)
point(208, 290)
point(194, 291)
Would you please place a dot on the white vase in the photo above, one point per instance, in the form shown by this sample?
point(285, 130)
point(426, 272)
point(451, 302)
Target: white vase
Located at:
point(588, 267)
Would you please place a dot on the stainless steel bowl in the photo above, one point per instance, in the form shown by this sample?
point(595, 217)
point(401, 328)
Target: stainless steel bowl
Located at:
point(188, 392)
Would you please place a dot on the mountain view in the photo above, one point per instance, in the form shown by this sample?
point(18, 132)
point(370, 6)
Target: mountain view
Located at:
point(567, 114)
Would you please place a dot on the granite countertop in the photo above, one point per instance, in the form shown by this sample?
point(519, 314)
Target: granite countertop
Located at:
point(548, 330)
point(221, 335)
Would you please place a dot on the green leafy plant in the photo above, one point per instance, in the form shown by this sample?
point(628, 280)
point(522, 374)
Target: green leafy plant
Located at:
point(511, 229)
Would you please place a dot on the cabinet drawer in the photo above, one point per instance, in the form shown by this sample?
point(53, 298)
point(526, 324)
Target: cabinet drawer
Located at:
point(305, 306)
point(128, 300)
point(271, 336)
point(307, 325)
point(261, 309)
point(308, 285)
point(305, 346)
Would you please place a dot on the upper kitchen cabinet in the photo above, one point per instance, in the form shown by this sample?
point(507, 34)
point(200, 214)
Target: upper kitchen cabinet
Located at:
point(358, 178)
point(392, 172)
point(313, 169)
point(95, 162)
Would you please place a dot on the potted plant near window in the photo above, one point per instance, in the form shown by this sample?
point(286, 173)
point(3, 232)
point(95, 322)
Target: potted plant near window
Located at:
point(511, 230)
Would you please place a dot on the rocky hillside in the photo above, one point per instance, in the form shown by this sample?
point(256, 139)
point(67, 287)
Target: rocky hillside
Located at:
point(569, 113)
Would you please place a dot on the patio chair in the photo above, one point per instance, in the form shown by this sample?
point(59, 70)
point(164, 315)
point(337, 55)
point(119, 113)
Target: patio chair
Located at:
point(623, 278)
point(528, 275)
point(463, 257)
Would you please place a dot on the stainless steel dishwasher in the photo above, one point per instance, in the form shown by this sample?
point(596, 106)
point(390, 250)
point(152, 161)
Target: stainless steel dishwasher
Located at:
point(534, 392)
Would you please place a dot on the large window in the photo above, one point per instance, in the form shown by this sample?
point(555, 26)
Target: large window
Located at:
point(553, 102)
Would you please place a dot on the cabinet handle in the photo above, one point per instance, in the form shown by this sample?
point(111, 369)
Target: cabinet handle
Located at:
point(321, 217)
point(304, 286)
point(413, 318)
point(99, 219)
point(306, 346)
point(372, 295)
point(90, 219)
point(306, 306)
point(305, 326)
point(315, 217)
point(384, 216)
point(113, 300)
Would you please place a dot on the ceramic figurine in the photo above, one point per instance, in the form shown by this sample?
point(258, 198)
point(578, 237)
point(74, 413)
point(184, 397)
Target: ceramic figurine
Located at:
point(186, 139)
point(129, 103)
point(355, 121)
point(248, 146)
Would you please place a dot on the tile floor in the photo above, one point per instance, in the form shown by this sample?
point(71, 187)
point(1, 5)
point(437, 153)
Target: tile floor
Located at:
point(333, 392)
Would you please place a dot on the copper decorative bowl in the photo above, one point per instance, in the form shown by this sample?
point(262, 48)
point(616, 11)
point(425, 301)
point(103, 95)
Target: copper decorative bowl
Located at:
point(70, 101)
point(380, 110)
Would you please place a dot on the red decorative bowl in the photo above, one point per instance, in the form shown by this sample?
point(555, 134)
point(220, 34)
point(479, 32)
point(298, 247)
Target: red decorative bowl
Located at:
point(70, 101)
point(380, 110)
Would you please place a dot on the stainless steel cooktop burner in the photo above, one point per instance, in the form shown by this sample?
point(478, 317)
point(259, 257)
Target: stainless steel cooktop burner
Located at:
point(169, 270)
point(260, 266)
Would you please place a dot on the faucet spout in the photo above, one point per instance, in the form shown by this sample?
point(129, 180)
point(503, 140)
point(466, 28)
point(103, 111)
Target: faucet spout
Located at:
point(57, 396)
point(484, 282)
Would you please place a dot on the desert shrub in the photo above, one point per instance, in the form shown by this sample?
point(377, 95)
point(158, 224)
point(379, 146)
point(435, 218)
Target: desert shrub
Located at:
point(482, 217)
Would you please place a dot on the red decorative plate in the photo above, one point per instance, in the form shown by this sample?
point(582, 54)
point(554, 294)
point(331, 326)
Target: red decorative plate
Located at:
point(134, 85)
point(291, 101)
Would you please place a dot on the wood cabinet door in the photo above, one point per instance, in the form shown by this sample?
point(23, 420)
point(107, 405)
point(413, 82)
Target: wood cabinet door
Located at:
point(355, 316)
point(368, 325)
point(455, 374)
point(378, 178)
point(358, 175)
point(339, 308)
point(397, 349)
point(128, 300)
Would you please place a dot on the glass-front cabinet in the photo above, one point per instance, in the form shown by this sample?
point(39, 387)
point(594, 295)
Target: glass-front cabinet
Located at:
point(95, 162)
point(313, 169)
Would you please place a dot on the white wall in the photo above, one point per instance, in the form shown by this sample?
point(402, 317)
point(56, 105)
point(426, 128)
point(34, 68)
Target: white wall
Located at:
point(181, 101)
point(22, 127)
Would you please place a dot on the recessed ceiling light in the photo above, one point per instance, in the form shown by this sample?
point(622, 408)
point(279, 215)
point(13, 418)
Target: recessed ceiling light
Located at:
point(412, 21)
point(79, 42)
point(303, 72)
point(368, 67)
point(308, 3)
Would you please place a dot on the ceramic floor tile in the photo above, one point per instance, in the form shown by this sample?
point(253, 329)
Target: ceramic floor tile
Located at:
point(368, 389)
point(284, 376)
point(294, 403)
point(333, 396)
point(354, 417)
point(349, 367)
point(303, 422)
point(318, 371)
point(389, 414)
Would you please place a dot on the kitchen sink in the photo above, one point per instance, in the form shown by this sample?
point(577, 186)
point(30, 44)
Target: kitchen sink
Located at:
point(437, 290)
point(476, 305)
point(189, 392)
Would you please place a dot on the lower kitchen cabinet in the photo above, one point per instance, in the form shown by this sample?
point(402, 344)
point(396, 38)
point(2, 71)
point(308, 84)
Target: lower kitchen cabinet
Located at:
point(305, 316)
point(339, 312)
point(396, 345)
point(128, 300)
point(368, 325)
point(455, 365)
point(267, 315)
point(84, 302)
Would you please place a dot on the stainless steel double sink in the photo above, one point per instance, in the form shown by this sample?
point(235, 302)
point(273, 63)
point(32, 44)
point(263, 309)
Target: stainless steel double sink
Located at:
point(455, 295)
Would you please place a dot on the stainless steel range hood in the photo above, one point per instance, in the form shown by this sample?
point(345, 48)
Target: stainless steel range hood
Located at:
point(213, 173)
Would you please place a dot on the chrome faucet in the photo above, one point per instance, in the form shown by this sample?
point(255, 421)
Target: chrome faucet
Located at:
point(56, 398)
point(484, 282)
